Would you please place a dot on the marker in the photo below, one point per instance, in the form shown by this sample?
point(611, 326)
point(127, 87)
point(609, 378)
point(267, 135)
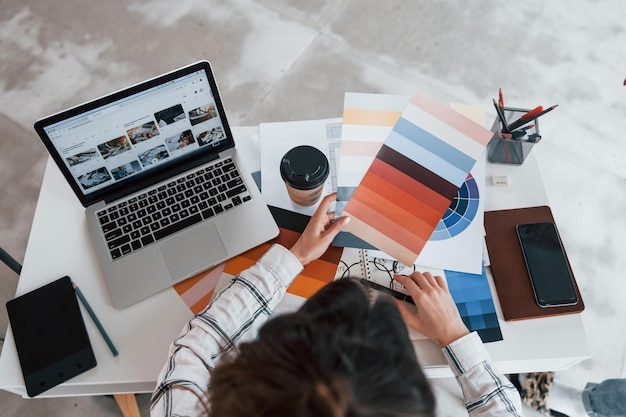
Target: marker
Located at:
point(518, 134)
point(534, 138)
point(521, 122)
point(93, 316)
point(500, 116)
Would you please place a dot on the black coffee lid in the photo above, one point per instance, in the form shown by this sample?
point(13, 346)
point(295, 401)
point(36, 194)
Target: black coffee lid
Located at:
point(304, 167)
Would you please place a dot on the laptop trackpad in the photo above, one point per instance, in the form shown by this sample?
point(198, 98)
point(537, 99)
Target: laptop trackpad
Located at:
point(193, 250)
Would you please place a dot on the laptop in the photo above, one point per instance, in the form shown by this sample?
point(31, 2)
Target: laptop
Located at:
point(165, 192)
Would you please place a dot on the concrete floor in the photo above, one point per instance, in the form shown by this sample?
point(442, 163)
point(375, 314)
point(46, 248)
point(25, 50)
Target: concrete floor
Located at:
point(280, 60)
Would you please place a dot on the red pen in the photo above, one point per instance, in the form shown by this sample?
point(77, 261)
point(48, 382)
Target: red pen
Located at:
point(526, 117)
point(501, 98)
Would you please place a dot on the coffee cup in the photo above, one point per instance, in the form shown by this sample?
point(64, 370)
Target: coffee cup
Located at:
point(304, 170)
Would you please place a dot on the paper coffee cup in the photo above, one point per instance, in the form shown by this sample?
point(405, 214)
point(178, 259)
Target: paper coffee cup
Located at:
point(304, 170)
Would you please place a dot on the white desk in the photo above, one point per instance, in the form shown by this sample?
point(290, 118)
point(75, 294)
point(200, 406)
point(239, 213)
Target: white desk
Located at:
point(545, 344)
point(59, 245)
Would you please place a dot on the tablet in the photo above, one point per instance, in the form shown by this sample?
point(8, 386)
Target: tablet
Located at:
point(50, 336)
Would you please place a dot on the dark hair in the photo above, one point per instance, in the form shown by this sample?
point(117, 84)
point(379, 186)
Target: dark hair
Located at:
point(338, 355)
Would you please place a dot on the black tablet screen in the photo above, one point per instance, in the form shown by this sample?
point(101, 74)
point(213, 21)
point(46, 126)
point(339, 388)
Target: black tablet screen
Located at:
point(50, 335)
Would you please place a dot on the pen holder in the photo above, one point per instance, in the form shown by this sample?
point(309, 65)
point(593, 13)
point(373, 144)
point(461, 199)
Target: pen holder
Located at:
point(502, 150)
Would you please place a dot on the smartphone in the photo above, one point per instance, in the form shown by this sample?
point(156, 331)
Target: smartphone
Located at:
point(550, 275)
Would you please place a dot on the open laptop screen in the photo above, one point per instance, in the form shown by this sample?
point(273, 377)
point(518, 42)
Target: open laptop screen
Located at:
point(122, 142)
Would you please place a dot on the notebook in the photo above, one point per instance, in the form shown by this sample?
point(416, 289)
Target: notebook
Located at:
point(510, 274)
point(156, 167)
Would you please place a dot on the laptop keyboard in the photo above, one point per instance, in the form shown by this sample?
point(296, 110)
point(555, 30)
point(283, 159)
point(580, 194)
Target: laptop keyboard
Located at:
point(160, 212)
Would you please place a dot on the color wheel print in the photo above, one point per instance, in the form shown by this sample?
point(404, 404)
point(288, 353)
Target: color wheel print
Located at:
point(461, 212)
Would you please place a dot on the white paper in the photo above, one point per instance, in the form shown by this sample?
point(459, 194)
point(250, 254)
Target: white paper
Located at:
point(276, 139)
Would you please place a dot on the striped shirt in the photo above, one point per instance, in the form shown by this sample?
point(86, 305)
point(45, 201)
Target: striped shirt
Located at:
point(236, 314)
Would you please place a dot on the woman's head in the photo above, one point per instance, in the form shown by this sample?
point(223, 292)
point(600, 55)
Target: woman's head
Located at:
point(338, 355)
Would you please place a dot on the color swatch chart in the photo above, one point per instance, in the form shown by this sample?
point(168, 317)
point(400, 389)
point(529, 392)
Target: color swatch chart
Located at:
point(414, 177)
point(367, 121)
point(473, 299)
point(461, 212)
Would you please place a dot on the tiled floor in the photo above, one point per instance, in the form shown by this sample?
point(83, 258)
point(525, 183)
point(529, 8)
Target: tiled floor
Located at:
point(279, 60)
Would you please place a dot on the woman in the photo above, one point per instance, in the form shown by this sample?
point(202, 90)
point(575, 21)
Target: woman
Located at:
point(339, 355)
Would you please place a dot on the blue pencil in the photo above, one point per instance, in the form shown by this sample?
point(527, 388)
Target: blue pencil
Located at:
point(93, 316)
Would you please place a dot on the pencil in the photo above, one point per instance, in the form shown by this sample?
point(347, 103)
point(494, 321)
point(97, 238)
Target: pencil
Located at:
point(501, 116)
point(525, 117)
point(523, 120)
point(93, 316)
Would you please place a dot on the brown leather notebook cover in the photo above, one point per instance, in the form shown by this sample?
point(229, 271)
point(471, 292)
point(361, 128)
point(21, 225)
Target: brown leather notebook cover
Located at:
point(508, 268)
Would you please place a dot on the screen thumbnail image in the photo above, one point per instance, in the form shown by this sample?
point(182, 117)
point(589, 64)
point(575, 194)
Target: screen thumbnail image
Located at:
point(144, 132)
point(154, 155)
point(211, 137)
point(93, 178)
point(125, 170)
point(202, 114)
point(114, 147)
point(179, 141)
point(81, 157)
point(170, 115)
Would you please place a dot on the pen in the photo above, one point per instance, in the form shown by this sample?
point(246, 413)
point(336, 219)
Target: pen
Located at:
point(500, 116)
point(393, 293)
point(501, 98)
point(520, 122)
point(93, 316)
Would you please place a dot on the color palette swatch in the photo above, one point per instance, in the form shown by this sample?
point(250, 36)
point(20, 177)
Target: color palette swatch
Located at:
point(461, 213)
point(473, 299)
point(414, 177)
point(367, 121)
point(197, 291)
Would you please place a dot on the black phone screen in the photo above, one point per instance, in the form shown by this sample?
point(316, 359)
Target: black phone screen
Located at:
point(549, 272)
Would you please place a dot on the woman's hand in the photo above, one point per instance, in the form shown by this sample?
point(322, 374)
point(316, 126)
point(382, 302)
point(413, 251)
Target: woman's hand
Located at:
point(437, 316)
point(319, 232)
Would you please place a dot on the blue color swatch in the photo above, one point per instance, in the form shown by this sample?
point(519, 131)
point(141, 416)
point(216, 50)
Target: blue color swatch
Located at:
point(473, 299)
